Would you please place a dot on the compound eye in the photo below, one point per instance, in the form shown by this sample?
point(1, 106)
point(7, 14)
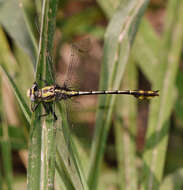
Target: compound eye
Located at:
point(35, 87)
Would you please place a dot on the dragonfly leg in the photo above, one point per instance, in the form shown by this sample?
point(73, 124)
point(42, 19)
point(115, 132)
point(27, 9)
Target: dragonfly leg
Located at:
point(53, 113)
point(34, 106)
point(48, 109)
point(43, 115)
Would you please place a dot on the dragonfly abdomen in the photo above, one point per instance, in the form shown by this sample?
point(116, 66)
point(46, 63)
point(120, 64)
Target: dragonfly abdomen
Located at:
point(141, 94)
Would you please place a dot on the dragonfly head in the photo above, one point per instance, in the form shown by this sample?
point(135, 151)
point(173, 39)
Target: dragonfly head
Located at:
point(33, 92)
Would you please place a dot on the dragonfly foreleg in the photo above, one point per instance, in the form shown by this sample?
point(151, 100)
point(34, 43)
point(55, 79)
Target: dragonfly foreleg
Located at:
point(48, 109)
point(34, 106)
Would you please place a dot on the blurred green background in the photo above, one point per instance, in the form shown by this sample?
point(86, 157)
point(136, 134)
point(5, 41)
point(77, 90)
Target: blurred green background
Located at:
point(155, 62)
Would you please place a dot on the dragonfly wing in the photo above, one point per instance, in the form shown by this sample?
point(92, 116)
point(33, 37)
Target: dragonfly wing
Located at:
point(77, 50)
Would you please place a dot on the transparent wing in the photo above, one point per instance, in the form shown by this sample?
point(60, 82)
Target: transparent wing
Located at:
point(83, 46)
point(77, 50)
point(50, 68)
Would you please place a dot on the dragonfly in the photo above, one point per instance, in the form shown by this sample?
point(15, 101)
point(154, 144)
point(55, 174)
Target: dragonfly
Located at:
point(54, 93)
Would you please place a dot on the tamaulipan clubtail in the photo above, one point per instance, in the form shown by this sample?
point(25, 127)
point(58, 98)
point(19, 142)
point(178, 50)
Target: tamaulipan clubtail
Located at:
point(53, 93)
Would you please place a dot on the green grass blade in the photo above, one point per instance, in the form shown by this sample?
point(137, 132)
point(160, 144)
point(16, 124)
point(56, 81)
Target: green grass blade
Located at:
point(148, 54)
point(5, 145)
point(118, 41)
point(170, 22)
point(125, 132)
point(173, 181)
point(68, 155)
point(16, 24)
point(63, 180)
point(158, 124)
point(146, 42)
point(16, 136)
point(179, 102)
point(34, 160)
point(48, 148)
point(17, 93)
point(7, 158)
point(1, 180)
point(41, 166)
point(109, 6)
point(7, 65)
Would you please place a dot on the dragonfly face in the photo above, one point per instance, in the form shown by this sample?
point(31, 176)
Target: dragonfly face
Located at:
point(33, 93)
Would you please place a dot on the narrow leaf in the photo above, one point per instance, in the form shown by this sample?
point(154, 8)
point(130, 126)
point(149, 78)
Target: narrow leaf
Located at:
point(118, 41)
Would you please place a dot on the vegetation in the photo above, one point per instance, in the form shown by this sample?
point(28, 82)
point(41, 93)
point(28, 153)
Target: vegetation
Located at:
point(110, 151)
